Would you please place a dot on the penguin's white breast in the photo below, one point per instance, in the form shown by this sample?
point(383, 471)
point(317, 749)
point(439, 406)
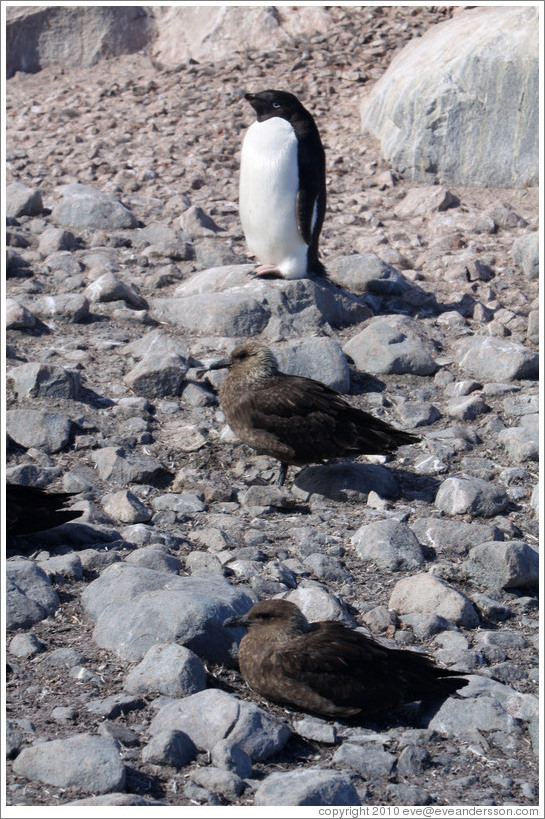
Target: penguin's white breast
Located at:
point(269, 182)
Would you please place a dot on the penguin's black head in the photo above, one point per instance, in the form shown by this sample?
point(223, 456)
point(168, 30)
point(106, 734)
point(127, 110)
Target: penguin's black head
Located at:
point(268, 104)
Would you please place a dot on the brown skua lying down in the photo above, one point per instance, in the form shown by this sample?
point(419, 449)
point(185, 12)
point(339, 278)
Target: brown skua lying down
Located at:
point(327, 668)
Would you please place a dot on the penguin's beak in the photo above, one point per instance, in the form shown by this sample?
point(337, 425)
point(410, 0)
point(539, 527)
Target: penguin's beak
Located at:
point(249, 97)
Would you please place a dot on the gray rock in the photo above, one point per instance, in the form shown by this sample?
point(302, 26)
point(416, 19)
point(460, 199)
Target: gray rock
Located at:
point(136, 608)
point(13, 739)
point(156, 343)
point(170, 747)
point(22, 200)
point(196, 223)
point(402, 794)
point(532, 332)
point(230, 756)
point(63, 657)
point(118, 799)
point(115, 705)
point(156, 559)
point(366, 273)
point(318, 358)
point(125, 507)
point(525, 253)
point(457, 536)
point(326, 567)
point(226, 784)
point(508, 564)
point(388, 544)
point(413, 760)
point(223, 314)
point(49, 431)
point(66, 308)
point(317, 603)
point(116, 466)
point(407, 110)
point(29, 594)
point(203, 562)
point(83, 206)
point(225, 301)
point(64, 715)
point(123, 735)
point(66, 567)
point(520, 443)
point(18, 317)
point(417, 414)
point(183, 503)
point(53, 240)
point(91, 763)
point(213, 715)
point(44, 380)
point(484, 713)
point(168, 669)
point(425, 200)
point(391, 345)
point(44, 36)
point(369, 760)
point(430, 594)
point(158, 375)
point(467, 408)
point(317, 730)
point(25, 645)
point(345, 482)
point(473, 496)
point(496, 359)
point(110, 287)
point(310, 786)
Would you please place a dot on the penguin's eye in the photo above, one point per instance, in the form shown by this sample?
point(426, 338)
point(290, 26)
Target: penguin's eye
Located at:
point(276, 105)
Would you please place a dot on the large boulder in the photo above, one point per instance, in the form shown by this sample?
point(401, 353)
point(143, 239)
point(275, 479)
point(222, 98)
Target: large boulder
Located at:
point(460, 105)
point(212, 33)
point(70, 36)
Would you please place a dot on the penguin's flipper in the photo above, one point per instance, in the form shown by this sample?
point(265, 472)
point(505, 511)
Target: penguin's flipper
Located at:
point(311, 197)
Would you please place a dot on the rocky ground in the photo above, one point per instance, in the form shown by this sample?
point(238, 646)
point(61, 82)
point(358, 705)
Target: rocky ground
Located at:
point(113, 330)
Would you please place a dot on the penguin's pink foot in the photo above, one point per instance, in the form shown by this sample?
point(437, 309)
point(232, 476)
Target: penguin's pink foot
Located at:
point(269, 271)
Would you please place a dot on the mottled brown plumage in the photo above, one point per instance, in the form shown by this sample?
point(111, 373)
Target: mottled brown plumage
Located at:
point(327, 668)
point(31, 509)
point(294, 419)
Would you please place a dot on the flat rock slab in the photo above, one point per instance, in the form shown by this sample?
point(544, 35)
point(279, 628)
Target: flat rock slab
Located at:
point(314, 786)
point(228, 301)
point(211, 716)
point(84, 761)
point(30, 596)
point(136, 608)
point(430, 594)
point(489, 358)
point(345, 482)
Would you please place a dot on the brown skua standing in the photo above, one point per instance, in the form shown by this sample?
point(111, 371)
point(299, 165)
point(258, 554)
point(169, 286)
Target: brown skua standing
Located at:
point(294, 419)
point(327, 668)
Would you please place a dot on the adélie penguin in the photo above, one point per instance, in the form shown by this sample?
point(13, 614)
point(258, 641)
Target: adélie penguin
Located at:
point(282, 187)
